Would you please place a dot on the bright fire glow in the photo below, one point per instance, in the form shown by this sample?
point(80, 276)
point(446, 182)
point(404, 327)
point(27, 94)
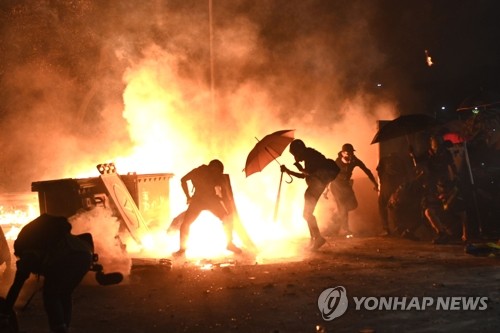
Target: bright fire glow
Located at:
point(428, 59)
point(173, 129)
point(170, 137)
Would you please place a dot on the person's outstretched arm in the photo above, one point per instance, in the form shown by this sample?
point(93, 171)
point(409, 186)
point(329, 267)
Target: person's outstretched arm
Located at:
point(369, 173)
point(292, 173)
point(22, 274)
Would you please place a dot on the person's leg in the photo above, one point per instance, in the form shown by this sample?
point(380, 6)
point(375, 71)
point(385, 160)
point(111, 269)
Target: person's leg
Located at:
point(344, 198)
point(222, 214)
point(191, 215)
point(383, 200)
point(336, 218)
point(53, 304)
point(310, 201)
point(228, 230)
point(343, 218)
point(434, 220)
point(462, 216)
point(60, 282)
point(311, 197)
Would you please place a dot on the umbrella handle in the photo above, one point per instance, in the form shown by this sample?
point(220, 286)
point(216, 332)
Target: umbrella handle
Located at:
point(275, 217)
point(291, 178)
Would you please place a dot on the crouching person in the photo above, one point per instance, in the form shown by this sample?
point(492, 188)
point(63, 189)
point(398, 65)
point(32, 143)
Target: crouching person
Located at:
point(46, 247)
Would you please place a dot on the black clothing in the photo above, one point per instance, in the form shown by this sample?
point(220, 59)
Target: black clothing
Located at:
point(318, 172)
point(438, 165)
point(342, 189)
point(392, 172)
point(209, 194)
point(46, 247)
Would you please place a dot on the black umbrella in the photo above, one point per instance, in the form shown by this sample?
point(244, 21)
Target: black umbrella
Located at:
point(482, 100)
point(404, 126)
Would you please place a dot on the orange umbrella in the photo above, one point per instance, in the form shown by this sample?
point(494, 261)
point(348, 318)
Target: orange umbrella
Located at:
point(267, 150)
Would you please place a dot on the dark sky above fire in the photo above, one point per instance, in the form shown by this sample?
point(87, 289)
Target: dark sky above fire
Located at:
point(64, 67)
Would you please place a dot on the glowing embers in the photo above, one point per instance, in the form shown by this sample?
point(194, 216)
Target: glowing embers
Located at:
point(208, 264)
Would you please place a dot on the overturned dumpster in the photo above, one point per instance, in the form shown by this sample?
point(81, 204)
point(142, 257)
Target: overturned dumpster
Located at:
point(139, 200)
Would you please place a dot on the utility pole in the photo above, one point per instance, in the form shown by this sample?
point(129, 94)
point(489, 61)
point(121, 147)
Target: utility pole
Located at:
point(212, 84)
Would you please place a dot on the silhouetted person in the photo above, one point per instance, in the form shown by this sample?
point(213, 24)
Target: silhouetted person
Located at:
point(445, 210)
point(439, 163)
point(405, 207)
point(208, 182)
point(392, 172)
point(46, 247)
point(5, 256)
point(318, 171)
point(342, 189)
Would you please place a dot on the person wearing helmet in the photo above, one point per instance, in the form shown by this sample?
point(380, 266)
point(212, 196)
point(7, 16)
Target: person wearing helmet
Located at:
point(318, 171)
point(208, 184)
point(342, 189)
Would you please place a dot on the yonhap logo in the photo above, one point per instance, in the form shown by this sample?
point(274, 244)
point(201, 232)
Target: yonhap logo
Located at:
point(332, 303)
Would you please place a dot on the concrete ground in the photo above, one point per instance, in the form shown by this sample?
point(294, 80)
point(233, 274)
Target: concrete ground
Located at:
point(439, 288)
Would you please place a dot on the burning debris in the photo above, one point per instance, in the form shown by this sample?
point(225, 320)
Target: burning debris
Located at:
point(428, 59)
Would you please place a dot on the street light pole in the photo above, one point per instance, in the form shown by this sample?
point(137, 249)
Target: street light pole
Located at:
point(212, 84)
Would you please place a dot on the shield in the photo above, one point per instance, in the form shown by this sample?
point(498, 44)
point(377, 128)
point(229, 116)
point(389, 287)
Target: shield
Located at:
point(267, 150)
point(403, 126)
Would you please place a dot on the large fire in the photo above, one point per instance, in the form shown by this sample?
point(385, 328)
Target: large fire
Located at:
point(163, 139)
point(173, 128)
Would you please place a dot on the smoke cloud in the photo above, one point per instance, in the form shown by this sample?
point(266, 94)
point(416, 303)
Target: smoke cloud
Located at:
point(68, 70)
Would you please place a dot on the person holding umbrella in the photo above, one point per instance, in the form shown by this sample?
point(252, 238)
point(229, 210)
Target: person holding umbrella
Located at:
point(318, 171)
point(341, 188)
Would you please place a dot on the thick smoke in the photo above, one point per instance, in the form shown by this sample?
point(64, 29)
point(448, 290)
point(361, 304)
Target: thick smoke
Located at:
point(66, 67)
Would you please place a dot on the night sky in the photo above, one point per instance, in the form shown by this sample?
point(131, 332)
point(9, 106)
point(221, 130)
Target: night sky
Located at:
point(460, 37)
point(63, 64)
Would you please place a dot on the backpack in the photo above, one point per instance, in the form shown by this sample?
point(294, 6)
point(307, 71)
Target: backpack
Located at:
point(41, 234)
point(43, 241)
point(333, 167)
point(330, 171)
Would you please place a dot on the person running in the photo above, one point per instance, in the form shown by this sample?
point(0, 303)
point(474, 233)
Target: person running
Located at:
point(342, 187)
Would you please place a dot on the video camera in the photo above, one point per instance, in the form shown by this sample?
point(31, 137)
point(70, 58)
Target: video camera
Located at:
point(104, 279)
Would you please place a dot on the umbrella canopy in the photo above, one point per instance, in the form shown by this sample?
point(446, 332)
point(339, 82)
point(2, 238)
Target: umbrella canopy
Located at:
point(267, 150)
point(403, 125)
point(483, 100)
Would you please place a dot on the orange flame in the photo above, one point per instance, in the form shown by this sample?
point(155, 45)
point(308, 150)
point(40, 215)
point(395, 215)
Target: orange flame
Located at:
point(168, 126)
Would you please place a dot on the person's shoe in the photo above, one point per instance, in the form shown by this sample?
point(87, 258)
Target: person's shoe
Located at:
point(442, 238)
point(385, 233)
point(179, 254)
point(233, 248)
point(407, 234)
point(318, 242)
point(346, 233)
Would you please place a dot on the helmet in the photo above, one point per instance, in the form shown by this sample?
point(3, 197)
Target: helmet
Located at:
point(216, 165)
point(296, 146)
point(348, 147)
